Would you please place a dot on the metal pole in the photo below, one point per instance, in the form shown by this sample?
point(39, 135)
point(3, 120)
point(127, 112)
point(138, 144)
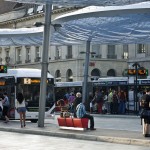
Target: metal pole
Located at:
point(43, 85)
point(136, 88)
point(86, 67)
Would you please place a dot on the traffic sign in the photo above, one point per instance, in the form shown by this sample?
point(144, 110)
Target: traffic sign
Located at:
point(3, 69)
point(141, 72)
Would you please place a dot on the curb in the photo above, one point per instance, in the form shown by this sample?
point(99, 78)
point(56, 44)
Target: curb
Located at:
point(109, 139)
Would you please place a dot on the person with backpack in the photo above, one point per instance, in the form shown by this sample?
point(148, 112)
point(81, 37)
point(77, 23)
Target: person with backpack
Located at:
point(6, 104)
point(81, 113)
point(145, 113)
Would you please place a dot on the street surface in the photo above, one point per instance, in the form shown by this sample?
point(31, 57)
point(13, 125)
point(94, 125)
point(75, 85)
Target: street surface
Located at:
point(18, 141)
point(119, 122)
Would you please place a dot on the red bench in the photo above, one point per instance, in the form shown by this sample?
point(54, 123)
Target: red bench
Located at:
point(73, 123)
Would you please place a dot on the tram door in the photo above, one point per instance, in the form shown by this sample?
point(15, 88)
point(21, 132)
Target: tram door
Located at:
point(7, 84)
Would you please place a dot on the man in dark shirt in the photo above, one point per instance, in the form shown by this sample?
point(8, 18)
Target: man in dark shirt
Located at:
point(146, 107)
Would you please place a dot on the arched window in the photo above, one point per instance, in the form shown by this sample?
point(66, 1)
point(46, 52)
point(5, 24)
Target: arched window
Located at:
point(95, 74)
point(58, 76)
point(111, 73)
point(69, 75)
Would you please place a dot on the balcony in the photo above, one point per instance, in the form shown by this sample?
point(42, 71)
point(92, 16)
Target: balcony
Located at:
point(112, 56)
point(19, 62)
point(124, 57)
point(68, 56)
point(96, 56)
point(37, 59)
point(27, 61)
point(57, 57)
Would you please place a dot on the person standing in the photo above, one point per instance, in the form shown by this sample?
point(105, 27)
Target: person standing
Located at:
point(77, 101)
point(145, 104)
point(21, 109)
point(98, 98)
point(115, 103)
point(122, 102)
point(6, 104)
point(110, 101)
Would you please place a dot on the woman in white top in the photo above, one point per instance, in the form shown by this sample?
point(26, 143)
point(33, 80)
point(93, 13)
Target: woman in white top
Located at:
point(21, 108)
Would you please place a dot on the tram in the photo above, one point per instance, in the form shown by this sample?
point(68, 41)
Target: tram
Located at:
point(27, 81)
point(127, 84)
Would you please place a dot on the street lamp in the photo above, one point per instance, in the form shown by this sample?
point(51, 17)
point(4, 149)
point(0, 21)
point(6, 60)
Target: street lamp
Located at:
point(86, 67)
point(137, 66)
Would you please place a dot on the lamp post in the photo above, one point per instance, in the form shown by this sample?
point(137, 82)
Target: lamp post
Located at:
point(86, 68)
point(43, 85)
point(136, 65)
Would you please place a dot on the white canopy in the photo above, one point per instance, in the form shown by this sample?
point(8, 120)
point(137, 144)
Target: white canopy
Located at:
point(21, 36)
point(81, 2)
point(104, 25)
point(107, 25)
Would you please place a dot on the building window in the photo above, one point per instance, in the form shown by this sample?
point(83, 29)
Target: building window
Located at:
point(40, 9)
point(18, 52)
point(7, 58)
point(30, 11)
point(69, 52)
point(37, 54)
point(28, 57)
point(95, 74)
point(96, 51)
point(69, 75)
point(111, 73)
point(58, 76)
point(57, 54)
point(125, 52)
point(141, 48)
point(111, 52)
point(7, 51)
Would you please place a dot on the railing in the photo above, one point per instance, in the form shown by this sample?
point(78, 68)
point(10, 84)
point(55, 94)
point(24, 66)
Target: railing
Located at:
point(27, 61)
point(57, 57)
point(37, 59)
point(112, 56)
point(68, 56)
point(19, 62)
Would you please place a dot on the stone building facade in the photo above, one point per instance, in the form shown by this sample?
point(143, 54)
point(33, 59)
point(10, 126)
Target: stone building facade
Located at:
point(66, 63)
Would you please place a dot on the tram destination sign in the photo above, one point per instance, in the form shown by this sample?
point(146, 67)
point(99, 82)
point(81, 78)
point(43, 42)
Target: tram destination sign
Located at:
point(144, 82)
point(110, 83)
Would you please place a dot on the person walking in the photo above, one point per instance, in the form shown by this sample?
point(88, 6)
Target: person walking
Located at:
point(21, 109)
point(6, 104)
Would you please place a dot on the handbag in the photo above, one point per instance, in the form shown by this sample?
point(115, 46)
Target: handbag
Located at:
point(145, 114)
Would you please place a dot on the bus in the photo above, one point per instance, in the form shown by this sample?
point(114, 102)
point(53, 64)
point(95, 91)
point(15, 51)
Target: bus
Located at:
point(27, 81)
point(66, 88)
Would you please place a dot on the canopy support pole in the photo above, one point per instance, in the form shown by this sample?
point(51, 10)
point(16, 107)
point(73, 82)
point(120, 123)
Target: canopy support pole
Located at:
point(43, 84)
point(86, 68)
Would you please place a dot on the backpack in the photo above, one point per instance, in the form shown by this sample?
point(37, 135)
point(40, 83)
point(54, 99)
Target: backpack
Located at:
point(144, 101)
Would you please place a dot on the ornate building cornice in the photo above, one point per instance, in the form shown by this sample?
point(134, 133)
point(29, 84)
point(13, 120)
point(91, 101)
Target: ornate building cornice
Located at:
point(35, 16)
